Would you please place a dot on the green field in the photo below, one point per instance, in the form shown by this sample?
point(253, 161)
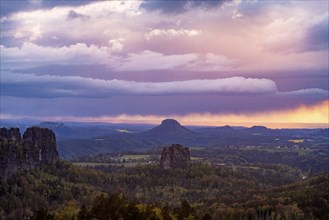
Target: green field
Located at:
point(196, 158)
point(135, 156)
point(92, 164)
point(128, 160)
point(197, 148)
point(296, 140)
point(127, 164)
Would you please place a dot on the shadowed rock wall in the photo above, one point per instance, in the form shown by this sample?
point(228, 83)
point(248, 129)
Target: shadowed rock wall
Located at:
point(175, 156)
point(38, 146)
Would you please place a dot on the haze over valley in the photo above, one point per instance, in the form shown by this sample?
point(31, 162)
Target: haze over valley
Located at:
point(164, 110)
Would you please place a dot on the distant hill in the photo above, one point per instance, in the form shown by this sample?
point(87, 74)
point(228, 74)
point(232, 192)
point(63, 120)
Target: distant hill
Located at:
point(77, 141)
point(86, 131)
point(263, 130)
point(217, 130)
point(256, 128)
point(167, 133)
point(170, 131)
point(169, 127)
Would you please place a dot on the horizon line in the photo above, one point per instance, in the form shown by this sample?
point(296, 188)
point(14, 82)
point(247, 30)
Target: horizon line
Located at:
point(271, 125)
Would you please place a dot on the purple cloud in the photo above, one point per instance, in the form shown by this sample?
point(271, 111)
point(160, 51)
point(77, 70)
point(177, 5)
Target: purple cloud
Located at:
point(75, 15)
point(160, 57)
point(45, 86)
point(317, 34)
point(180, 6)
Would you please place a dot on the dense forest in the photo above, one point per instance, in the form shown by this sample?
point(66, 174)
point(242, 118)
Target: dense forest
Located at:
point(66, 191)
point(309, 161)
point(233, 182)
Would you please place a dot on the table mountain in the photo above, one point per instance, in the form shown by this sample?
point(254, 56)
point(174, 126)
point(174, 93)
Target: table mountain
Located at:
point(170, 131)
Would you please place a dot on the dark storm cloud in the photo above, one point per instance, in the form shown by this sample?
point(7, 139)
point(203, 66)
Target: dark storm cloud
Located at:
point(9, 7)
point(165, 6)
point(97, 71)
point(79, 96)
point(317, 36)
point(149, 105)
point(46, 86)
point(179, 6)
point(285, 81)
point(7, 39)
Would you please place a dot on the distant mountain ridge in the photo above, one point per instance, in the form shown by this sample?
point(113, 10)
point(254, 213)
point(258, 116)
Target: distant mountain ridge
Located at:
point(216, 130)
point(74, 141)
point(258, 128)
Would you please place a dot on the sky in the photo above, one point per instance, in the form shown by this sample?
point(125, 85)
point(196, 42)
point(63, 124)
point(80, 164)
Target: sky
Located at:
point(208, 63)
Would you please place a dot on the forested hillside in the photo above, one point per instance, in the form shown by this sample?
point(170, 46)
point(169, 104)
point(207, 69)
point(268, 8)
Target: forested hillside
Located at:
point(65, 191)
point(226, 183)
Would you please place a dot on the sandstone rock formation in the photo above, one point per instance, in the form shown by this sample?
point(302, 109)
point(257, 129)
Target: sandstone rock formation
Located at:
point(175, 156)
point(10, 135)
point(37, 147)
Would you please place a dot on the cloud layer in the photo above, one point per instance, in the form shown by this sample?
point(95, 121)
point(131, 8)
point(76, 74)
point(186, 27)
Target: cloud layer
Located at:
point(162, 57)
point(102, 32)
point(24, 85)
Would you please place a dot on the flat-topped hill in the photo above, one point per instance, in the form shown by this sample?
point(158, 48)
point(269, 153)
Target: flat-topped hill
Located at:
point(169, 128)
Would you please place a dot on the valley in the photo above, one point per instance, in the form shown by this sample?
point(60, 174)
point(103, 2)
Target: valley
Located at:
point(164, 110)
point(75, 140)
point(261, 179)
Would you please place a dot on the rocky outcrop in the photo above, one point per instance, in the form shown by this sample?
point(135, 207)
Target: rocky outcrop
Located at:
point(37, 147)
point(10, 135)
point(175, 156)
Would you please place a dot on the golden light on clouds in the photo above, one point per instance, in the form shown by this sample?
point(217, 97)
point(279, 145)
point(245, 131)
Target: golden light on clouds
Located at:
point(316, 116)
point(204, 58)
point(303, 116)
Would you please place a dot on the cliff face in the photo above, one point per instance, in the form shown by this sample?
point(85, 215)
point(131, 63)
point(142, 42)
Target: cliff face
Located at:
point(175, 156)
point(37, 147)
point(10, 135)
point(41, 145)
